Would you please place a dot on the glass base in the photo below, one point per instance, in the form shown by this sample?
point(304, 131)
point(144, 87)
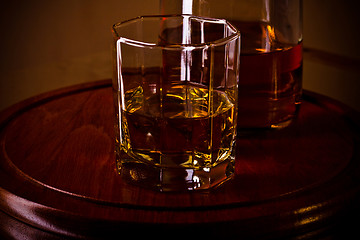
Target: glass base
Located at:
point(174, 179)
point(282, 124)
point(246, 132)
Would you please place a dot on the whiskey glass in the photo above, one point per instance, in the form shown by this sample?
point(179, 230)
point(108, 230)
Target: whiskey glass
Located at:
point(175, 91)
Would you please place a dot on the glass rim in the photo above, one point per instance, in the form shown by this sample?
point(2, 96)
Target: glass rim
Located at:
point(172, 46)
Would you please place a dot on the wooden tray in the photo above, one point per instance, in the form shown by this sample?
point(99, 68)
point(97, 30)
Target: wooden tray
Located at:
point(57, 174)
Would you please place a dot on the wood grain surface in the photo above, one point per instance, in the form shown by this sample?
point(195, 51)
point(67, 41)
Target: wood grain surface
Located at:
point(58, 177)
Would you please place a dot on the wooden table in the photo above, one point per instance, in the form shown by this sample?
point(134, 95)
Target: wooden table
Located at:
point(58, 177)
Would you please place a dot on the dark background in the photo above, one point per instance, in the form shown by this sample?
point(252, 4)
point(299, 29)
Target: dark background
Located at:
point(46, 45)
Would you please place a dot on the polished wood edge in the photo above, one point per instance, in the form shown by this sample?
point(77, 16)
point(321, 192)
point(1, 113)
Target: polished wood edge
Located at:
point(71, 225)
point(32, 213)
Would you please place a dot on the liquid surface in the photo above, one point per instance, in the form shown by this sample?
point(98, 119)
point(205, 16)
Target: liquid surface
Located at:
point(183, 125)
